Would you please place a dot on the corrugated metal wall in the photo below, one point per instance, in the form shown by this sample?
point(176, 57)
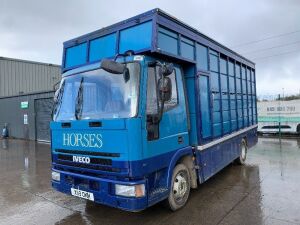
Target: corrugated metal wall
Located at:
point(23, 77)
point(12, 113)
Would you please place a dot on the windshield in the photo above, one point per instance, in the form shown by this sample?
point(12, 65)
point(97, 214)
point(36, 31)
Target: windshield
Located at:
point(102, 95)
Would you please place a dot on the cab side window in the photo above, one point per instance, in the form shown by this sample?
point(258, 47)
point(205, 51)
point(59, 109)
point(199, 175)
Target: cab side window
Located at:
point(152, 95)
point(174, 97)
point(152, 104)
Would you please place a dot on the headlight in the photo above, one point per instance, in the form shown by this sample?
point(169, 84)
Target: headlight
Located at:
point(55, 176)
point(130, 191)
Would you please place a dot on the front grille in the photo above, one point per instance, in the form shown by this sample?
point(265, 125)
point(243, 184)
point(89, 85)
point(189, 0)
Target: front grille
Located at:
point(105, 162)
point(59, 165)
point(105, 154)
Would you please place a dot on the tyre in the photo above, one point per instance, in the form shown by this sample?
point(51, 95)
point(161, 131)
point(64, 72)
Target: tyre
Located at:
point(243, 153)
point(180, 187)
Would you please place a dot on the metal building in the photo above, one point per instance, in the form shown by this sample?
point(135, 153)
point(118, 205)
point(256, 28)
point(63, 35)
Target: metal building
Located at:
point(26, 97)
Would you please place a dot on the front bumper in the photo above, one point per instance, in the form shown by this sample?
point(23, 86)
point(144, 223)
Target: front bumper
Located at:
point(103, 190)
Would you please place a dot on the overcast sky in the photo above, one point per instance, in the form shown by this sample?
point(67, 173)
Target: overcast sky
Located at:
point(35, 30)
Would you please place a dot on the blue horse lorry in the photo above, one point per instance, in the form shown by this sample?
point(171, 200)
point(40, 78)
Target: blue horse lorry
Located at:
point(147, 109)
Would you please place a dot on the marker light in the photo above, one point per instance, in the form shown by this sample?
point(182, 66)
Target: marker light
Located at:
point(55, 176)
point(130, 191)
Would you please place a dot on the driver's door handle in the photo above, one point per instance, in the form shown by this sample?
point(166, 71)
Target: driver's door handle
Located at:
point(180, 139)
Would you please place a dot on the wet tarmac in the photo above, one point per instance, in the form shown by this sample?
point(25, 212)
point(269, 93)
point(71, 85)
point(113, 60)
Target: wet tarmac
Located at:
point(264, 191)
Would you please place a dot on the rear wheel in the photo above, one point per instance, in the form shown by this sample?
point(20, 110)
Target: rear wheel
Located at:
point(180, 188)
point(243, 153)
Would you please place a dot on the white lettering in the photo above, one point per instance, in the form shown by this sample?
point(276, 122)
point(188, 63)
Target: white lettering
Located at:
point(81, 159)
point(79, 140)
point(92, 139)
point(66, 139)
point(82, 140)
point(99, 139)
point(73, 140)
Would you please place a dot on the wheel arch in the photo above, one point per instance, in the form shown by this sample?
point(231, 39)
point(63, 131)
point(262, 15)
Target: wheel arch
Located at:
point(244, 138)
point(184, 156)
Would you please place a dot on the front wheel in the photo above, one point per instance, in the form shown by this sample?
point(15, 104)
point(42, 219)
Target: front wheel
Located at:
point(243, 153)
point(180, 187)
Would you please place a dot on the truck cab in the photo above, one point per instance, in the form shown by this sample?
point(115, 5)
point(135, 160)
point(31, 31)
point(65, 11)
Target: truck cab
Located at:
point(116, 127)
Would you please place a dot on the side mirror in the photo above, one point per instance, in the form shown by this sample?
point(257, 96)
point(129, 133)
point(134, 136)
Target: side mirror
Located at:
point(167, 69)
point(115, 68)
point(112, 66)
point(165, 89)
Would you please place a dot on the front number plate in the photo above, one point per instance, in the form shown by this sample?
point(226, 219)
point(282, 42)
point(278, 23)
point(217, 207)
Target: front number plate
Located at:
point(82, 194)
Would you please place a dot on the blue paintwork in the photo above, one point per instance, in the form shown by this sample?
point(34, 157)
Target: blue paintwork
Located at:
point(168, 41)
point(109, 128)
point(136, 38)
point(216, 97)
point(205, 106)
point(132, 168)
point(193, 105)
point(187, 48)
point(202, 57)
point(157, 182)
point(102, 47)
point(75, 55)
point(219, 156)
point(105, 194)
point(153, 31)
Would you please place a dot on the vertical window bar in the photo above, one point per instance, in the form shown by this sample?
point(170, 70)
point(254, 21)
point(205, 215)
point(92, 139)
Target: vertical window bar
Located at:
point(242, 94)
point(228, 95)
point(235, 90)
point(179, 44)
point(210, 96)
point(220, 94)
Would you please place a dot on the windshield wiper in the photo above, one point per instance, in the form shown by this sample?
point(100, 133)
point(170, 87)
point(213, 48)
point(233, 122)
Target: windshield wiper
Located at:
point(79, 101)
point(58, 101)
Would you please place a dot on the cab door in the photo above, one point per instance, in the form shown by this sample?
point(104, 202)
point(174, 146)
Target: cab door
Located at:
point(163, 138)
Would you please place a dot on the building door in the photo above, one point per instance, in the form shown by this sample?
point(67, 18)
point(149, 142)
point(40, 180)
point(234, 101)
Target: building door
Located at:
point(43, 110)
